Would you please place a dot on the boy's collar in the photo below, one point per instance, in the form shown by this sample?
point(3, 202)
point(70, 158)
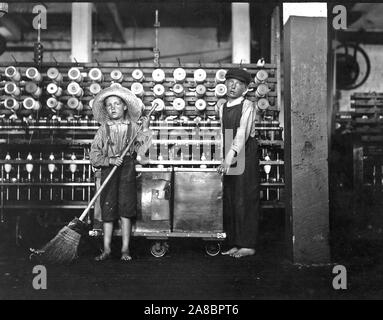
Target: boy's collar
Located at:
point(235, 101)
point(123, 121)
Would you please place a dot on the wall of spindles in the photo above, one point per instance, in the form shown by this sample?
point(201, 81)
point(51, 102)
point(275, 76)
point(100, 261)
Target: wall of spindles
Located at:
point(46, 125)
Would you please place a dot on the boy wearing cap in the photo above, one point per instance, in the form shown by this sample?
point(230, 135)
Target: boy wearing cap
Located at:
point(240, 191)
point(118, 109)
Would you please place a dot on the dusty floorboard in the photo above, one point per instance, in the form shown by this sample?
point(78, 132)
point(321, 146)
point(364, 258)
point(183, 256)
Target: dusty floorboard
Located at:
point(187, 273)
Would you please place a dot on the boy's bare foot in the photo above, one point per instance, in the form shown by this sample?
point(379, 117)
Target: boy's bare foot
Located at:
point(103, 256)
point(230, 252)
point(243, 252)
point(126, 257)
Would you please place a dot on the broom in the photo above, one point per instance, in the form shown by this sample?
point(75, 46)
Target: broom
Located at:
point(63, 247)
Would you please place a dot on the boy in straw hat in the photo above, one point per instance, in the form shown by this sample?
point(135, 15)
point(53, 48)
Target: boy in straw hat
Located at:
point(240, 189)
point(117, 109)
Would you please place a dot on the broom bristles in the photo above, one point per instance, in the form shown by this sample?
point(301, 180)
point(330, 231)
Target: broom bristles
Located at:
point(62, 248)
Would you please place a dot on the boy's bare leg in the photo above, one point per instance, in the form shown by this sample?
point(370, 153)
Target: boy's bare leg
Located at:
point(230, 252)
point(108, 232)
point(243, 252)
point(126, 229)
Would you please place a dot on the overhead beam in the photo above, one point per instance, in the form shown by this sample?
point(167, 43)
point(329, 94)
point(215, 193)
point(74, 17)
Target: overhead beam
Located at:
point(361, 37)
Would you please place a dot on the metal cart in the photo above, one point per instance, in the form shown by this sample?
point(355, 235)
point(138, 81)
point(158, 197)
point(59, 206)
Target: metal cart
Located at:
point(176, 203)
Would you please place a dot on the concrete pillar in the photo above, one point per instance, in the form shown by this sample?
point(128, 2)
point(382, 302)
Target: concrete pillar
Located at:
point(82, 32)
point(306, 143)
point(240, 32)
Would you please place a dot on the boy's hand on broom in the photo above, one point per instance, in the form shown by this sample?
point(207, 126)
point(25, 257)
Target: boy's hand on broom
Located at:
point(115, 161)
point(145, 123)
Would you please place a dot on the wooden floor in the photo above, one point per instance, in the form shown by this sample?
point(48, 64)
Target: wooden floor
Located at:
point(187, 273)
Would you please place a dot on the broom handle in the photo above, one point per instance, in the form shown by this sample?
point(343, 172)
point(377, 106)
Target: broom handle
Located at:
point(85, 212)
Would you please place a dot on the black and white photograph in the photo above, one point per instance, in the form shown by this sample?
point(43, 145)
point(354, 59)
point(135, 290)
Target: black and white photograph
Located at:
point(191, 155)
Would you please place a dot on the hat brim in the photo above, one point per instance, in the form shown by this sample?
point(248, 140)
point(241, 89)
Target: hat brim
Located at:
point(134, 104)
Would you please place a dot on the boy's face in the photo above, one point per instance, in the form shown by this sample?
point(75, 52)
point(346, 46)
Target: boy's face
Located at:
point(235, 88)
point(115, 107)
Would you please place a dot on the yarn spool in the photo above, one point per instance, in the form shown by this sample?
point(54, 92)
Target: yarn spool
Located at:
point(51, 166)
point(54, 75)
point(200, 90)
point(179, 90)
point(138, 75)
point(12, 89)
point(262, 90)
point(74, 104)
point(116, 75)
point(54, 104)
point(158, 75)
point(54, 89)
point(33, 89)
point(179, 75)
point(11, 104)
point(179, 104)
point(200, 105)
point(159, 90)
point(160, 104)
point(220, 76)
point(261, 76)
point(12, 73)
point(199, 75)
point(33, 74)
point(220, 90)
point(95, 88)
point(31, 104)
point(263, 104)
point(138, 89)
point(74, 89)
point(74, 74)
point(29, 166)
point(7, 166)
point(95, 74)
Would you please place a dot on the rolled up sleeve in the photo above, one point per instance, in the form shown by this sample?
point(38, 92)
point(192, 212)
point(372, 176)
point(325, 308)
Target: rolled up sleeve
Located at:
point(243, 132)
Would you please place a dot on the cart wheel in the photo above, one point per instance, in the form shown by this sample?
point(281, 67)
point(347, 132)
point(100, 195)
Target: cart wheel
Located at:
point(159, 249)
point(213, 248)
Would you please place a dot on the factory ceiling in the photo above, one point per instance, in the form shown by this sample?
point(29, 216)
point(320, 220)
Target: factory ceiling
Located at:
point(113, 17)
point(118, 15)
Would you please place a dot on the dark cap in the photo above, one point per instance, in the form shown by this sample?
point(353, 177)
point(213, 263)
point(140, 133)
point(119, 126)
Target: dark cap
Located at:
point(239, 74)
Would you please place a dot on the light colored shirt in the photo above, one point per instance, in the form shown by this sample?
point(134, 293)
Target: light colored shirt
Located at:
point(101, 150)
point(250, 114)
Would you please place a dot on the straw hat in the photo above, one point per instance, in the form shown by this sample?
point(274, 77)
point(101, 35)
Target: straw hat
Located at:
point(135, 105)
